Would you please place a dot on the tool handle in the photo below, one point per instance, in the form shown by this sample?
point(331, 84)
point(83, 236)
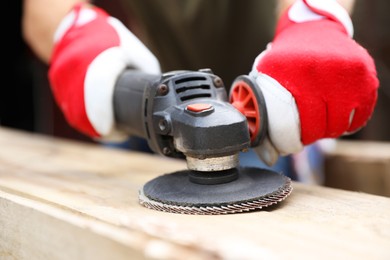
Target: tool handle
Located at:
point(129, 101)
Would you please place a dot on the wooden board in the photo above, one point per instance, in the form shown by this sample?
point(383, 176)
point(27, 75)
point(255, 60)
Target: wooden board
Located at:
point(65, 200)
point(359, 166)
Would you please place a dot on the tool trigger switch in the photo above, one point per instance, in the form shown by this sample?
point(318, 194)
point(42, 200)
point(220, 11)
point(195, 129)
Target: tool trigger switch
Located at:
point(199, 108)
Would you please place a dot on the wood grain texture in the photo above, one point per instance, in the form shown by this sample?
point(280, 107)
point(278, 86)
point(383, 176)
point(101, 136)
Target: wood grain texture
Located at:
point(66, 200)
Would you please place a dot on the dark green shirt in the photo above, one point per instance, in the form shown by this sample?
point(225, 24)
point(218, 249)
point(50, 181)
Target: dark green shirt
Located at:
point(224, 35)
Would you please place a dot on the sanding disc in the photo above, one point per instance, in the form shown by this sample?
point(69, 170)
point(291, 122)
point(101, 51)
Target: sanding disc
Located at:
point(254, 189)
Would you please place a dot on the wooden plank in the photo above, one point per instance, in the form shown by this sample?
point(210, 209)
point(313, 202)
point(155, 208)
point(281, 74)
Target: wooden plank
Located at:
point(359, 166)
point(61, 199)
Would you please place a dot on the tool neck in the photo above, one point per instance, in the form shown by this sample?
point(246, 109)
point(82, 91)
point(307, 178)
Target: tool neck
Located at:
point(211, 164)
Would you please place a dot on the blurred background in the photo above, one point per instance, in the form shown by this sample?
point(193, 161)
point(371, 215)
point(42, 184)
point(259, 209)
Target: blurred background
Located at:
point(27, 103)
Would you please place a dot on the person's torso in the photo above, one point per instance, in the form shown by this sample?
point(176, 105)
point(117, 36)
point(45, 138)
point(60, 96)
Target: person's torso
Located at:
point(223, 35)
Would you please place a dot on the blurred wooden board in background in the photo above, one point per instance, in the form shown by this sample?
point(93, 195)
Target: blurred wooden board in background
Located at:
point(359, 166)
point(62, 199)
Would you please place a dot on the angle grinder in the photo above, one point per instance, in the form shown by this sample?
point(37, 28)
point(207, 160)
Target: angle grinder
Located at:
point(187, 114)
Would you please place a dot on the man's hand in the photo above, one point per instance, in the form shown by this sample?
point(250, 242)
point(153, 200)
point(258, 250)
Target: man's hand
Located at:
point(91, 50)
point(316, 80)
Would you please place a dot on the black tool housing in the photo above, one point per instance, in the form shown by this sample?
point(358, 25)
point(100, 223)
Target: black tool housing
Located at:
point(156, 107)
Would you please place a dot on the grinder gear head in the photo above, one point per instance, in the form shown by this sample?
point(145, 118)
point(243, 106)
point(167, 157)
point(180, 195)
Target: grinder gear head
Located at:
point(183, 114)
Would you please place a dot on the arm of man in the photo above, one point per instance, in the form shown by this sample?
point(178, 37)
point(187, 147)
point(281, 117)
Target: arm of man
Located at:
point(40, 20)
point(86, 50)
point(282, 5)
point(317, 81)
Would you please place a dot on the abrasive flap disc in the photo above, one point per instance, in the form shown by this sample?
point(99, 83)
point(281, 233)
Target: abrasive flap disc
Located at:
point(250, 189)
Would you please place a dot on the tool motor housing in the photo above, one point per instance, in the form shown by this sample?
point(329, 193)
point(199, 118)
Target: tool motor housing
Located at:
point(181, 113)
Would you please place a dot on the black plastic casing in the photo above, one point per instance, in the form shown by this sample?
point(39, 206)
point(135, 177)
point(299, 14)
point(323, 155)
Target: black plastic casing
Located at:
point(155, 107)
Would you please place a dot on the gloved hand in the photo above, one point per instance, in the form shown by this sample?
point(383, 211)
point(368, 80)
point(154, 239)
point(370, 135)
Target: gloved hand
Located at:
point(91, 50)
point(316, 80)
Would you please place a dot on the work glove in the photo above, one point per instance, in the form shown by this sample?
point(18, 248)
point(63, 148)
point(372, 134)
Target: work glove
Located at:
point(316, 80)
point(90, 52)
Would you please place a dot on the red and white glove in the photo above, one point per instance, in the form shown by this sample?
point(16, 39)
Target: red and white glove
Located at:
point(316, 80)
point(91, 50)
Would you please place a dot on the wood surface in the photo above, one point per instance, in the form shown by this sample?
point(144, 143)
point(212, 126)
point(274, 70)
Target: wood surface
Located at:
point(61, 199)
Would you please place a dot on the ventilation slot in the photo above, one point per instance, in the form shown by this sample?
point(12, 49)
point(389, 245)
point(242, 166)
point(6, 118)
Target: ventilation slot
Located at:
point(179, 81)
point(195, 96)
point(182, 89)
